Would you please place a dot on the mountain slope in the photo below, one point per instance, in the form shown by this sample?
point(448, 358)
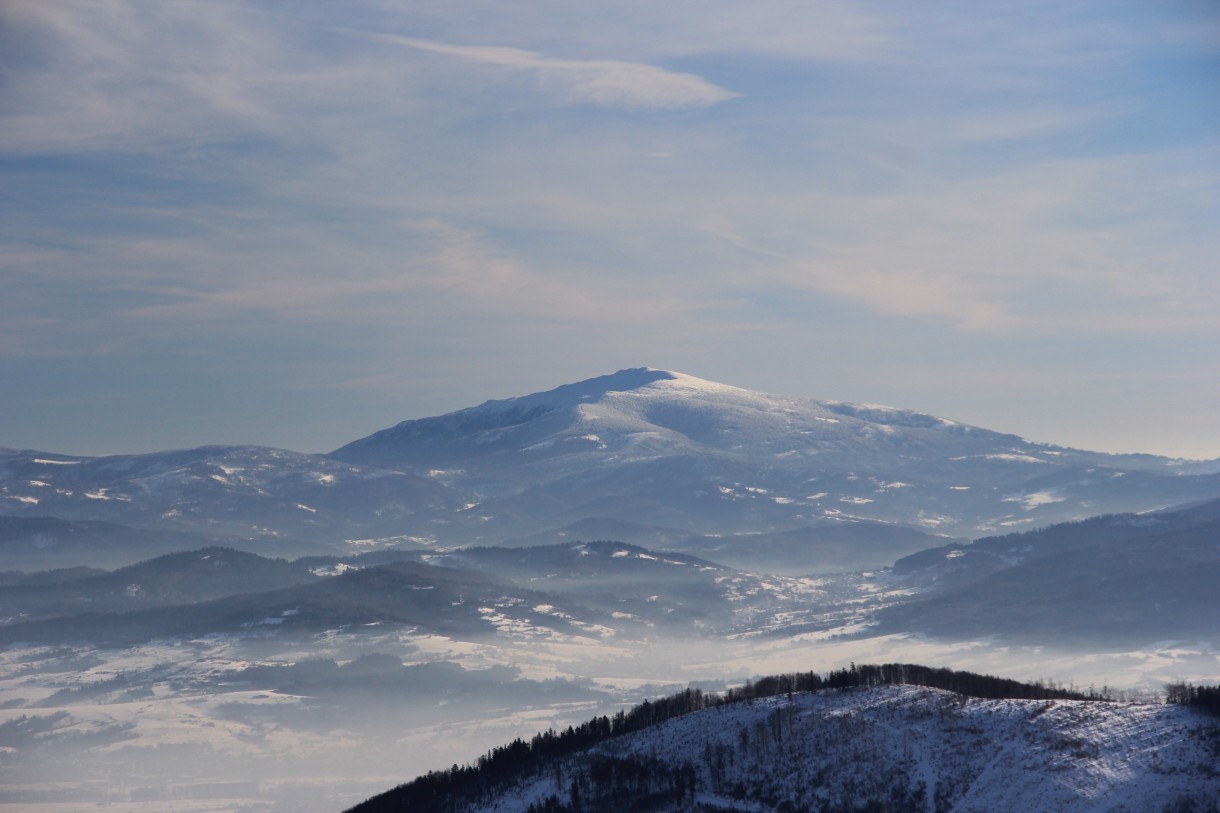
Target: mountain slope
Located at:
point(239, 492)
point(40, 543)
point(458, 603)
point(826, 545)
point(598, 592)
point(668, 449)
point(1123, 579)
point(888, 747)
point(177, 578)
point(663, 592)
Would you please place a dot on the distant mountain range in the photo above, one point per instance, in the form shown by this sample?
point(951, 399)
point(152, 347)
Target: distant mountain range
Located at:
point(644, 456)
point(1119, 580)
point(592, 592)
point(1109, 580)
point(247, 493)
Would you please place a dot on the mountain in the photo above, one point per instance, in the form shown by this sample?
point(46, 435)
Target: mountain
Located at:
point(450, 602)
point(177, 578)
point(1114, 580)
point(585, 593)
point(665, 449)
point(634, 586)
point(959, 563)
point(233, 494)
point(798, 484)
point(825, 545)
point(39, 543)
point(887, 746)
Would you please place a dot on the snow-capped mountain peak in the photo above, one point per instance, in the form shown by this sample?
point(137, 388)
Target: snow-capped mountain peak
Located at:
point(665, 451)
point(669, 448)
point(589, 390)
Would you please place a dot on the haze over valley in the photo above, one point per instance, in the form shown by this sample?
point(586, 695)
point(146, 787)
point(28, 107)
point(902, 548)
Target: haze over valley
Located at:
point(301, 631)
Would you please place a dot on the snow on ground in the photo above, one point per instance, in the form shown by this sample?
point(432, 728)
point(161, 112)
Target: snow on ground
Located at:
point(979, 756)
point(1035, 499)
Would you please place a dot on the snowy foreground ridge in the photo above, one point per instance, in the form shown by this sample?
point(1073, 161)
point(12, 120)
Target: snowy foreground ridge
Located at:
point(889, 748)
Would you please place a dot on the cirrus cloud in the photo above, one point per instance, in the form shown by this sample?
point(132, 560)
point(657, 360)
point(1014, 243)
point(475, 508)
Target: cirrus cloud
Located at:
point(604, 82)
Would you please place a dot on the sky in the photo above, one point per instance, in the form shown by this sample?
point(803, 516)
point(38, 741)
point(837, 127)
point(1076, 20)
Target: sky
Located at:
point(293, 224)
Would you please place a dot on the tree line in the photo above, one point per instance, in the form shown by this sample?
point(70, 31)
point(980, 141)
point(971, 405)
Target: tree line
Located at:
point(1206, 698)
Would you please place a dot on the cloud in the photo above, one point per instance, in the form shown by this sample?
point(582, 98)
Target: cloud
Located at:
point(917, 294)
point(307, 179)
point(120, 74)
point(842, 31)
point(1056, 247)
point(607, 83)
point(257, 278)
point(163, 77)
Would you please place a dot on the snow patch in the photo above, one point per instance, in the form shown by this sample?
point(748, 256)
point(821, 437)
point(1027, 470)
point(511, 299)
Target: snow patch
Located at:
point(1016, 458)
point(1033, 500)
point(337, 569)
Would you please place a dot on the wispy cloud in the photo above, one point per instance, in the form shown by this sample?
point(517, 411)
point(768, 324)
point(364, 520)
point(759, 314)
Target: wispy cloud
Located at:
point(1053, 248)
point(600, 184)
point(609, 83)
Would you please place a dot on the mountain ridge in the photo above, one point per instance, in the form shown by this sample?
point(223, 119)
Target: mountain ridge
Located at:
point(652, 447)
point(651, 441)
point(893, 737)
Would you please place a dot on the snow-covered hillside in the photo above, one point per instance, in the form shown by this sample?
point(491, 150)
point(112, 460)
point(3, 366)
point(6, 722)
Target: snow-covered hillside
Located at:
point(248, 492)
point(892, 748)
point(667, 455)
point(664, 448)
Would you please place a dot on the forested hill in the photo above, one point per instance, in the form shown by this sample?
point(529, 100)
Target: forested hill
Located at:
point(895, 737)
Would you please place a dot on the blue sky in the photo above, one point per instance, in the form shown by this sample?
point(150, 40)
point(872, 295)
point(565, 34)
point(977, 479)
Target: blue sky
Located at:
point(292, 224)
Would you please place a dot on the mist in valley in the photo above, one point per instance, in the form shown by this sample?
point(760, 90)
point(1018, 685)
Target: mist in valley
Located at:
point(267, 717)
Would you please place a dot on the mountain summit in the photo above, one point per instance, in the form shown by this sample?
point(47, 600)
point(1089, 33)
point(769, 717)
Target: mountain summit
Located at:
point(669, 449)
point(642, 412)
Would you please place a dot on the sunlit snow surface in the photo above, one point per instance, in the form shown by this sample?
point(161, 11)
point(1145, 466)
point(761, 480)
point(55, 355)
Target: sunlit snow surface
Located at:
point(979, 756)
